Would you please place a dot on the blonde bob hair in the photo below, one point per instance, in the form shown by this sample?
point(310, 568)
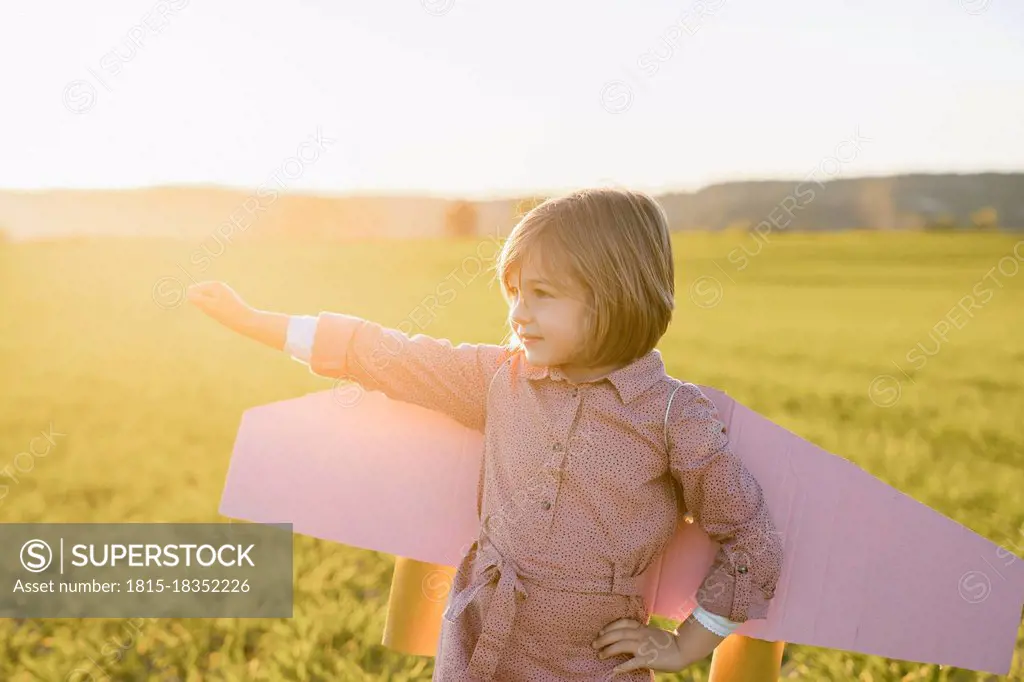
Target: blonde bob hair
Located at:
point(612, 249)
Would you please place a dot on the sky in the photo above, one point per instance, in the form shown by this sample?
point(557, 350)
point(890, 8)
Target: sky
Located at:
point(474, 98)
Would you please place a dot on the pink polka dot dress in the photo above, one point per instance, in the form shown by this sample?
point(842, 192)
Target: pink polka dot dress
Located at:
point(581, 488)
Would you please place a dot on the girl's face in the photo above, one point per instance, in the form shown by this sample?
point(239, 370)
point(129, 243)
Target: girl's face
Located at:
point(547, 317)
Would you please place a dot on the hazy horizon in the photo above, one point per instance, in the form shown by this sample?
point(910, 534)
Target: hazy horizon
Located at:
point(425, 194)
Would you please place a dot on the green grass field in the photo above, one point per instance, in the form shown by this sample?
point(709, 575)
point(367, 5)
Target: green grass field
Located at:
point(148, 395)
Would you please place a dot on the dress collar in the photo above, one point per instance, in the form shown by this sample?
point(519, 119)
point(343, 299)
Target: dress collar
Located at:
point(629, 381)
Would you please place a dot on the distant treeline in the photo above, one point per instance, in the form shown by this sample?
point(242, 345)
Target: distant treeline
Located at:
point(984, 201)
point(981, 201)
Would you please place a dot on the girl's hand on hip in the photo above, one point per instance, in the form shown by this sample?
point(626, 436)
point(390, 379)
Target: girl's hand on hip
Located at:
point(647, 647)
point(220, 302)
point(654, 648)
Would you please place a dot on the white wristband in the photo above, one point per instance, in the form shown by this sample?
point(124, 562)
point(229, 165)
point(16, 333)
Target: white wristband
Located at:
point(721, 626)
point(299, 343)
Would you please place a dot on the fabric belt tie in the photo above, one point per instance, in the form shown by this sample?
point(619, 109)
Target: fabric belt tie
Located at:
point(502, 610)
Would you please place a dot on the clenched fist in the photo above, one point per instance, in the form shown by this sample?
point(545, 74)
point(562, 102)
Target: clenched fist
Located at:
point(220, 302)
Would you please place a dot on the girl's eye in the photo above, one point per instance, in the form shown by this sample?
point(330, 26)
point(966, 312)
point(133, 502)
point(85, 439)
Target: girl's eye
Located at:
point(540, 293)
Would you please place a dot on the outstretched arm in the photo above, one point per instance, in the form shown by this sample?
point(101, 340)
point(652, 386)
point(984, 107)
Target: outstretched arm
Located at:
point(420, 369)
point(427, 371)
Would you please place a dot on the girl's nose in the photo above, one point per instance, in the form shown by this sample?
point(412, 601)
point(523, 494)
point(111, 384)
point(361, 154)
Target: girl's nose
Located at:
point(519, 315)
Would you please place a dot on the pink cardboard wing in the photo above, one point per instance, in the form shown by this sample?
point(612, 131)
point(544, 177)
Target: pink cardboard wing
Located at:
point(867, 569)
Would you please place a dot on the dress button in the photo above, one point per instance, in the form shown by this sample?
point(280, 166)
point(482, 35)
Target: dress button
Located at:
point(742, 569)
point(557, 447)
point(546, 505)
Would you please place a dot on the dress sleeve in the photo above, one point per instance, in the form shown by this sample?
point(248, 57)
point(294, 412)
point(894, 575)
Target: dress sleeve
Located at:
point(728, 504)
point(420, 369)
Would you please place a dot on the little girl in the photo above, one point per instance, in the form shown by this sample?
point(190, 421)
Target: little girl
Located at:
point(589, 446)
